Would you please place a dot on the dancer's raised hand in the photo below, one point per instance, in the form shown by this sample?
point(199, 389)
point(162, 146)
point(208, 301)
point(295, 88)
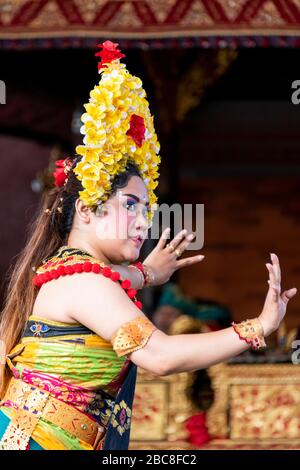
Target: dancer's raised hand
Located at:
point(163, 259)
point(276, 302)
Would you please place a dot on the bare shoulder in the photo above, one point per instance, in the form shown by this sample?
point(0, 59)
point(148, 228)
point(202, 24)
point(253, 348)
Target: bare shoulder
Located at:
point(100, 303)
point(54, 300)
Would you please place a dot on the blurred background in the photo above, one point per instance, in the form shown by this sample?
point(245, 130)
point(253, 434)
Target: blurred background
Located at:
point(218, 76)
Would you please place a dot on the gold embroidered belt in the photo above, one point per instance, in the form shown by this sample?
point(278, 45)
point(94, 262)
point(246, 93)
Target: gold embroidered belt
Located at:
point(29, 403)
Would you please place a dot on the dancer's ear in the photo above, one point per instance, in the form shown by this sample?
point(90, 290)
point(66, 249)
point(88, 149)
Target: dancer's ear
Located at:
point(82, 210)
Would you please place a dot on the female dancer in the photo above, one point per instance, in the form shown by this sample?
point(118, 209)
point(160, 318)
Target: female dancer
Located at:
point(73, 329)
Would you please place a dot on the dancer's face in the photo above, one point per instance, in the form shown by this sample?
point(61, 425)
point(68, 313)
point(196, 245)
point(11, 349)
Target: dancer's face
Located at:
point(119, 220)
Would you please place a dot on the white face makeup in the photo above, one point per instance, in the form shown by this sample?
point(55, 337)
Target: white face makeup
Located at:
point(122, 224)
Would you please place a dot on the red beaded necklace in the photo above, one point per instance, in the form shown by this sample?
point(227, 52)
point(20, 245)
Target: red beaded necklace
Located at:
point(67, 261)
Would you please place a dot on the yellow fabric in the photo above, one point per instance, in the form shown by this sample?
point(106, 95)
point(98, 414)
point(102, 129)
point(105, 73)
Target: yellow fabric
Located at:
point(76, 367)
point(45, 435)
point(33, 404)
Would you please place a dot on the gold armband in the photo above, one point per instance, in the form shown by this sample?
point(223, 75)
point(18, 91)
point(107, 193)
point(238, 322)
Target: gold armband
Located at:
point(132, 335)
point(252, 332)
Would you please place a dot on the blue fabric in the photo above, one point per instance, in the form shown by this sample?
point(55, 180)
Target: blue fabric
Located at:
point(4, 422)
point(118, 429)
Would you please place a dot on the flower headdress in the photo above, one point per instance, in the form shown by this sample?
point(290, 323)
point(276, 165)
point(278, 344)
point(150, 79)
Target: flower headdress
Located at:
point(117, 128)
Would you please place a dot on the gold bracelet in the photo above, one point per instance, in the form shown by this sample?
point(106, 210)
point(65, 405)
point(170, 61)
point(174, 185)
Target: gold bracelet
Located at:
point(141, 275)
point(149, 274)
point(252, 332)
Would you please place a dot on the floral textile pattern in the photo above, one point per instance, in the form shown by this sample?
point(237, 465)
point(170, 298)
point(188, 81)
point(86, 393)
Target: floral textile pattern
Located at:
point(121, 417)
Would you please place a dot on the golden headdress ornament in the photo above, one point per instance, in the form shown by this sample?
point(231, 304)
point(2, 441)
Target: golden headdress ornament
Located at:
point(117, 128)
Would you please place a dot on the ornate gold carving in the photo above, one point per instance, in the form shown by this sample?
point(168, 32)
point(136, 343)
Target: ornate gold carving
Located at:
point(161, 408)
point(260, 401)
point(160, 18)
point(265, 411)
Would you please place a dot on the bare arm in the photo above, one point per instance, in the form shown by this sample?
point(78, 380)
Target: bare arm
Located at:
point(103, 306)
point(188, 352)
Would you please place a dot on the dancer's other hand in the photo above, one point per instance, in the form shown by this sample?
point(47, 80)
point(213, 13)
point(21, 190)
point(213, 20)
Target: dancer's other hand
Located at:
point(163, 260)
point(276, 302)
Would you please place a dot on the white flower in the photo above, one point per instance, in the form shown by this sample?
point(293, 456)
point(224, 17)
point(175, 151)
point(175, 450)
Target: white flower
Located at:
point(148, 134)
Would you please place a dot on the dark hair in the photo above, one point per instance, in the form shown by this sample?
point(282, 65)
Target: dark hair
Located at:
point(70, 194)
point(45, 234)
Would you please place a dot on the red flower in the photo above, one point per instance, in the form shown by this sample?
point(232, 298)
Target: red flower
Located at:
point(137, 129)
point(78, 268)
point(131, 293)
point(109, 53)
point(106, 271)
point(96, 268)
point(61, 270)
point(126, 284)
point(87, 266)
point(115, 276)
point(62, 169)
point(198, 432)
point(139, 304)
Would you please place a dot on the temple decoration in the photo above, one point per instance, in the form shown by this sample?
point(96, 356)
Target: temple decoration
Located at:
point(150, 23)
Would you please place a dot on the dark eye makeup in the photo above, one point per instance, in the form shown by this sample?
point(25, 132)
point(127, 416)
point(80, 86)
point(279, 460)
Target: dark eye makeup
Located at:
point(132, 203)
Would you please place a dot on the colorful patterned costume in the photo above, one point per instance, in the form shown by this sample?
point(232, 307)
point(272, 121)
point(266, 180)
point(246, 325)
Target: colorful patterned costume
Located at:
point(70, 388)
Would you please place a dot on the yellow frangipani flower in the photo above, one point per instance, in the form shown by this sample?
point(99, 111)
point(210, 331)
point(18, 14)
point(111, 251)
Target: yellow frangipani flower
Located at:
point(111, 139)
